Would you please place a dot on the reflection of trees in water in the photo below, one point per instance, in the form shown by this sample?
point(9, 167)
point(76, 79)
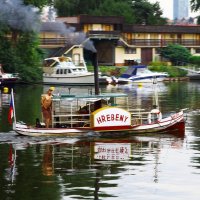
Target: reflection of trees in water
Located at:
point(82, 175)
point(72, 170)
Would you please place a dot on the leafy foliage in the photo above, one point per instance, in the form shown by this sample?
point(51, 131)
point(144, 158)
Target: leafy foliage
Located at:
point(21, 55)
point(37, 3)
point(175, 53)
point(115, 8)
point(138, 12)
point(171, 70)
point(195, 60)
point(195, 5)
point(148, 13)
point(30, 56)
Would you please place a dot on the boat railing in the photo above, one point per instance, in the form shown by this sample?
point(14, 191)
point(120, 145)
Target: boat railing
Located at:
point(71, 120)
point(138, 116)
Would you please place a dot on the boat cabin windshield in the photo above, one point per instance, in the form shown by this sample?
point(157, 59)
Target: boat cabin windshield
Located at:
point(75, 110)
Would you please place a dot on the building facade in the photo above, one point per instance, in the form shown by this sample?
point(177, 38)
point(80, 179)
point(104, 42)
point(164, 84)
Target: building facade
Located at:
point(118, 43)
point(180, 9)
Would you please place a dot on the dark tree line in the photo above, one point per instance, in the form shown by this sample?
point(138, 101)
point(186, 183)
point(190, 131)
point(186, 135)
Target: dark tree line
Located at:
point(134, 12)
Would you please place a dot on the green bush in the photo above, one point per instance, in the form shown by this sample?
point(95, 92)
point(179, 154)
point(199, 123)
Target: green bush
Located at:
point(194, 60)
point(171, 70)
point(108, 70)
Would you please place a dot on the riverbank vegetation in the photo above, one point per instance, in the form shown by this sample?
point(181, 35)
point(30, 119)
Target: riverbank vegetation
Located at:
point(153, 66)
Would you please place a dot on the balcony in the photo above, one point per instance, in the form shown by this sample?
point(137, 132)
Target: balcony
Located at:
point(110, 35)
point(114, 35)
point(162, 42)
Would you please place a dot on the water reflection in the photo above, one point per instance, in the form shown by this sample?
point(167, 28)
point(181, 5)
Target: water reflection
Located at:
point(82, 168)
point(133, 167)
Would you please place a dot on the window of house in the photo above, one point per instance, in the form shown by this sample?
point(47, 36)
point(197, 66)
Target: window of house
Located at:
point(197, 50)
point(172, 36)
point(157, 50)
point(130, 50)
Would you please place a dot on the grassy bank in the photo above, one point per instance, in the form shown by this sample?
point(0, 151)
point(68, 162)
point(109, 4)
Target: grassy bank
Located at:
point(154, 66)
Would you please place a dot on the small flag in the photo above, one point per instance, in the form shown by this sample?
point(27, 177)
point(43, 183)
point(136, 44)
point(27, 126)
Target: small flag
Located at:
point(10, 112)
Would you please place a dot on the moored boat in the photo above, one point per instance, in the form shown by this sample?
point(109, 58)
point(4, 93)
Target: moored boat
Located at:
point(64, 71)
point(7, 78)
point(140, 73)
point(61, 70)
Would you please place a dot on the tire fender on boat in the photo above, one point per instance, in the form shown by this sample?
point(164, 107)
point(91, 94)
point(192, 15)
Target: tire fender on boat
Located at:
point(154, 112)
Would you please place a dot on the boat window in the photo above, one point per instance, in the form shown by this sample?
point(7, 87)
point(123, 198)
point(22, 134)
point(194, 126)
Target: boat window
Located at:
point(57, 71)
point(61, 71)
point(75, 70)
point(69, 71)
point(65, 71)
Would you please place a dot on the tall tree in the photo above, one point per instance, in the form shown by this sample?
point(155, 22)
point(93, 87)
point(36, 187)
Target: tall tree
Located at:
point(139, 12)
point(148, 13)
point(195, 5)
point(115, 8)
point(177, 54)
point(38, 3)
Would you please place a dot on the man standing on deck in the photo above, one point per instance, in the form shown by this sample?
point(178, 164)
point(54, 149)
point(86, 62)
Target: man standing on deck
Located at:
point(46, 103)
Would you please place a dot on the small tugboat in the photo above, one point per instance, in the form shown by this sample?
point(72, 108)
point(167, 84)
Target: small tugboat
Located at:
point(80, 115)
point(7, 78)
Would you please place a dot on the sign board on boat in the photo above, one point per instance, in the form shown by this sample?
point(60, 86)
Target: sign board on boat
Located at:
point(111, 118)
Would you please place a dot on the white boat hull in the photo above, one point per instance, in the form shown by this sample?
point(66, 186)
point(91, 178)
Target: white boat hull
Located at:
point(78, 79)
point(143, 79)
point(172, 123)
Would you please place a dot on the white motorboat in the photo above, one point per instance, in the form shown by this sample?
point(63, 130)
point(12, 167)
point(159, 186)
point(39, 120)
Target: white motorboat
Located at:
point(62, 70)
point(7, 78)
point(140, 73)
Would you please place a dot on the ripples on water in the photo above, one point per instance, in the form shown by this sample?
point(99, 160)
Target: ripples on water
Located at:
point(134, 167)
point(153, 167)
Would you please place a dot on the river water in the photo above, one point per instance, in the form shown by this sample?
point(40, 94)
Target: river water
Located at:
point(152, 167)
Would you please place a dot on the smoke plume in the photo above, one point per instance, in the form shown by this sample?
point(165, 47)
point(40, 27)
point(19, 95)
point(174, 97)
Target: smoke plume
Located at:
point(72, 37)
point(19, 16)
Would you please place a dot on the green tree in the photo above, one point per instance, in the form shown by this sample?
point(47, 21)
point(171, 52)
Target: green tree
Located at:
point(148, 13)
point(175, 53)
point(138, 12)
point(115, 8)
point(195, 5)
point(19, 53)
point(38, 3)
point(8, 56)
point(30, 57)
point(75, 7)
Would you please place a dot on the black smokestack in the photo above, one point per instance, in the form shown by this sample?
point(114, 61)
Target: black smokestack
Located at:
point(96, 72)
